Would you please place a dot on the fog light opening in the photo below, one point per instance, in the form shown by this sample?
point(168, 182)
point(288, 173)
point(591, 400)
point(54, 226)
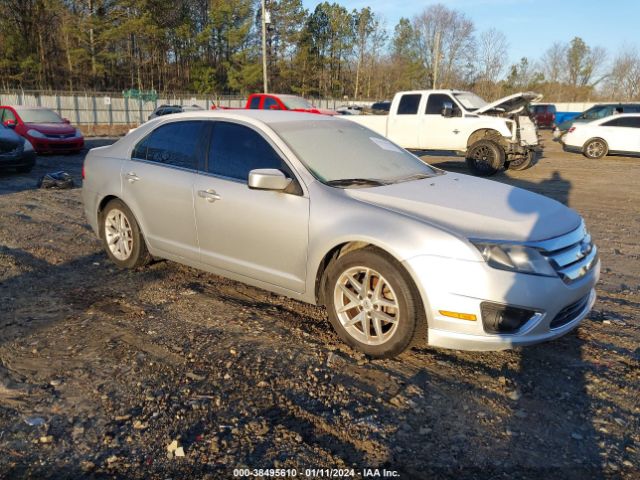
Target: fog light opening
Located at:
point(497, 318)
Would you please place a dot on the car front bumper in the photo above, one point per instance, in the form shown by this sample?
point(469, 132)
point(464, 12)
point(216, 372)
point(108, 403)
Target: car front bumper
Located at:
point(51, 145)
point(450, 285)
point(22, 159)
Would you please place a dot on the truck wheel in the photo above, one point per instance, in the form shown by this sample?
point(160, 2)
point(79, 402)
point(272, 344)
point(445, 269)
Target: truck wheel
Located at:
point(525, 162)
point(595, 148)
point(485, 158)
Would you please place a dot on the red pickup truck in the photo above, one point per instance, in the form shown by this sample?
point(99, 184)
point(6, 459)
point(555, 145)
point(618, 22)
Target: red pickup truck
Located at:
point(269, 101)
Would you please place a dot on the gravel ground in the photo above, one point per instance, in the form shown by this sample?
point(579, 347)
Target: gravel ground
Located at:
point(169, 372)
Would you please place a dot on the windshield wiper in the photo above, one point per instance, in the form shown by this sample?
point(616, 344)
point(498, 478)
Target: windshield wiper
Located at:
point(348, 182)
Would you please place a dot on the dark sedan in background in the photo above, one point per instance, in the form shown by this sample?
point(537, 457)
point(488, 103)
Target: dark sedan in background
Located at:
point(15, 152)
point(44, 128)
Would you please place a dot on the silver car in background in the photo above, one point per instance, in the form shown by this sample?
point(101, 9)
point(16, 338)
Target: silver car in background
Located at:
point(328, 212)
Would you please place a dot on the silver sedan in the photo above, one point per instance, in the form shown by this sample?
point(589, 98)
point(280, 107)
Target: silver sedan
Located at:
point(328, 212)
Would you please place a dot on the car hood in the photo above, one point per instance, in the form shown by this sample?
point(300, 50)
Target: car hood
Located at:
point(52, 128)
point(475, 208)
point(9, 140)
point(512, 103)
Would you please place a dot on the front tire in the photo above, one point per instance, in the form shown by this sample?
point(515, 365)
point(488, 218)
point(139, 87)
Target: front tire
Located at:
point(485, 158)
point(525, 162)
point(121, 236)
point(595, 148)
point(373, 304)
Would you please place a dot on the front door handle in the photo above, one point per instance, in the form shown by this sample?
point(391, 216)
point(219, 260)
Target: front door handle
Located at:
point(209, 195)
point(456, 131)
point(132, 177)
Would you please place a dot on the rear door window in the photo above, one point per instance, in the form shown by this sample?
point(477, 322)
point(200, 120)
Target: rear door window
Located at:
point(409, 104)
point(174, 144)
point(236, 149)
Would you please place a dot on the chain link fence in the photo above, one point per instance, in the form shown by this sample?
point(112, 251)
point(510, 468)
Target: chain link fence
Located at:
point(109, 108)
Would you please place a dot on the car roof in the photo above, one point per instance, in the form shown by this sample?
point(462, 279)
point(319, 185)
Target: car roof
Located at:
point(264, 116)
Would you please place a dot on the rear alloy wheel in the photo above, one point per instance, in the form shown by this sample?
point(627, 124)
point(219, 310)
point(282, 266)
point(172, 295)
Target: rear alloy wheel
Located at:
point(373, 304)
point(596, 148)
point(485, 158)
point(121, 236)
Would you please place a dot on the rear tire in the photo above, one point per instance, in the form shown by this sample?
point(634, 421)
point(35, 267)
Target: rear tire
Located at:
point(373, 303)
point(121, 236)
point(485, 158)
point(595, 148)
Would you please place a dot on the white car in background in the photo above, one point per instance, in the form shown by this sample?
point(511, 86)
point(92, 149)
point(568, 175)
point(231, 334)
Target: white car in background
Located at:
point(613, 134)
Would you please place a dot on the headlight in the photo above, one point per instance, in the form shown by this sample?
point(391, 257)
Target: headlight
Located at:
point(35, 134)
point(515, 258)
point(27, 146)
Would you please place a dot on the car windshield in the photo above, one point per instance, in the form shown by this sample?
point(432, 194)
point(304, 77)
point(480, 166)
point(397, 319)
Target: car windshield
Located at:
point(38, 115)
point(346, 154)
point(293, 103)
point(470, 101)
point(599, 111)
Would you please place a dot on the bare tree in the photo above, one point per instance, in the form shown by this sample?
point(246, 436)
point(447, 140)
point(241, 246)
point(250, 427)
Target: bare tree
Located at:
point(554, 62)
point(446, 43)
point(624, 81)
point(491, 59)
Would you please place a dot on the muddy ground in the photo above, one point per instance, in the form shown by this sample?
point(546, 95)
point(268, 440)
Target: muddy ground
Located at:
point(102, 370)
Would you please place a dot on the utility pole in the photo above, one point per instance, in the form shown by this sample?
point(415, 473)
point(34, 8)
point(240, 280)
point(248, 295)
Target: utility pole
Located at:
point(436, 58)
point(264, 48)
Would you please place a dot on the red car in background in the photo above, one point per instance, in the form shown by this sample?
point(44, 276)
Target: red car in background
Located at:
point(44, 128)
point(544, 115)
point(269, 101)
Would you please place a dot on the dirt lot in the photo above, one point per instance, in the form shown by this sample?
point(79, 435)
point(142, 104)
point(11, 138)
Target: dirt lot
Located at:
point(102, 369)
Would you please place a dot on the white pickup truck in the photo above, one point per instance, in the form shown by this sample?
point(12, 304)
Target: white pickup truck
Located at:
point(491, 136)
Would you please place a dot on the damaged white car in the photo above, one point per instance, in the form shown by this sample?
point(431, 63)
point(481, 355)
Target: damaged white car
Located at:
point(491, 136)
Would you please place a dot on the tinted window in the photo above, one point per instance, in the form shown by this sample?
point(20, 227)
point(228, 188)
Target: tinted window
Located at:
point(235, 150)
point(611, 123)
point(172, 144)
point(632, 109)
point(633, 122)
point(409, 104)
point(436, 102)
point(255, 103)
point(269, 102)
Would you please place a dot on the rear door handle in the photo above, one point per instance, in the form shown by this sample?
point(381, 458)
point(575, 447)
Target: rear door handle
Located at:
point(132, 177)
point(209, 195)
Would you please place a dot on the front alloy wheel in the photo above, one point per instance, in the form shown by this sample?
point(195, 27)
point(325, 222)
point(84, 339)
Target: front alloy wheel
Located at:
point(366, 305)
point(373, 304)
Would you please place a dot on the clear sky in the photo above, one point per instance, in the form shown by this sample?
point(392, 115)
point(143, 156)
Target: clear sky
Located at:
point(530, 26)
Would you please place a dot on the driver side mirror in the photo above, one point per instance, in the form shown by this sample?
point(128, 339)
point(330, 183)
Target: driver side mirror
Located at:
point(10, 123)
point(268, 179)
point(447, 109)
point(67, 121)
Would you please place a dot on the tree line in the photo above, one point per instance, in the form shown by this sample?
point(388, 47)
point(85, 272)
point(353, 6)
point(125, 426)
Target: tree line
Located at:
point(214, 47)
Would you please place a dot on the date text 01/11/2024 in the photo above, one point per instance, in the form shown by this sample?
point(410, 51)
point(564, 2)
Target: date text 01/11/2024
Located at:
point(315, 473)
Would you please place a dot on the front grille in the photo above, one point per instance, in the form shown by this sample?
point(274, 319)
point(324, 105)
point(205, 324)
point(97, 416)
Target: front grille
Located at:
point(61, 136)
point(573, 255)
point(569, 313)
